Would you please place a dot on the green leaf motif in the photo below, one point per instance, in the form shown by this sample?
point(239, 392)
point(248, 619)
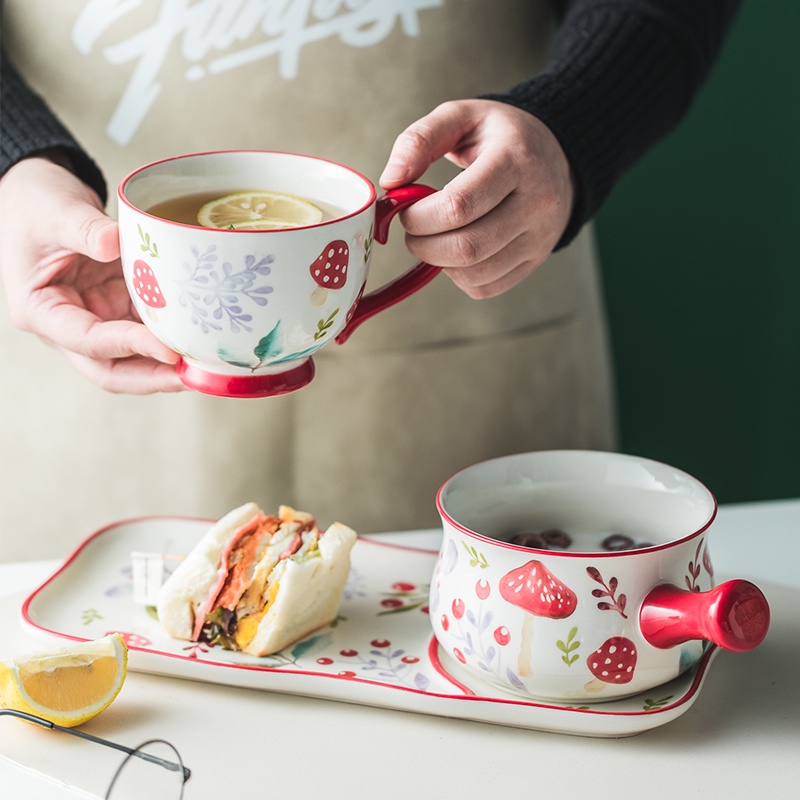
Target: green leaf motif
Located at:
point(368, 245)
point(476, 558)
point(90, 615)
point(324, 324)
point(269, 345)
point(401, 609)
point(569, 647)
point(235, 360)
point(654, 705)
point(147, 245)
point(306, 645)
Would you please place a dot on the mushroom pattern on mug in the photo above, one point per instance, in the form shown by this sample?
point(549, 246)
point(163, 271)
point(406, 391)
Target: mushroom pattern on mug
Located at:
point(329, 270)
point(145, 284)
point(534, 589)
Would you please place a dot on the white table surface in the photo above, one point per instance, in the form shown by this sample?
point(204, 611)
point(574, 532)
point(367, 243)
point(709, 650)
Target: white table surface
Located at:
point(740, 739)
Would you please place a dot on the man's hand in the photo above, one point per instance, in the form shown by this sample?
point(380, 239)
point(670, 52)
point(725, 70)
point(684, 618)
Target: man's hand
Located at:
point(500, 218)
point(59, 258)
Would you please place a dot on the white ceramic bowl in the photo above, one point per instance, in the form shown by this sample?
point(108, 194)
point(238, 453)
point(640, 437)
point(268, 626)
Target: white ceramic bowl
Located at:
point(571, 620)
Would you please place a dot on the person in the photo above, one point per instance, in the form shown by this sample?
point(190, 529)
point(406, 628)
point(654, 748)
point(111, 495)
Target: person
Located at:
point(506, 352)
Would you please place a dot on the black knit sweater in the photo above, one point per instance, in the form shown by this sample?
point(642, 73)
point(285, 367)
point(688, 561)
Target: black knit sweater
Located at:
point(621, 75)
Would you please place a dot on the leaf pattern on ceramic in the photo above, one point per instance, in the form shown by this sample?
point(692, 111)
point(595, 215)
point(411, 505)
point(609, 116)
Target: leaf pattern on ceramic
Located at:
point(694, 567)
point(476, 558)
point(405, 596)
point(146, 244)
point(653, 705)
point(382, 661)
point(217, 294)
point(479, 636)
point(325, 324)
point(617, 601)
point(569, 647)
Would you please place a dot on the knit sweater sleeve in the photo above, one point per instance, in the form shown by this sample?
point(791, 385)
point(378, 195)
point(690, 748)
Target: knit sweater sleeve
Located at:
point(28, 126)
point(622, 74)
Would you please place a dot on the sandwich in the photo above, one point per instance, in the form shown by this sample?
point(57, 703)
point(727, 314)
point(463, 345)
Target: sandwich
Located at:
point(257, 582)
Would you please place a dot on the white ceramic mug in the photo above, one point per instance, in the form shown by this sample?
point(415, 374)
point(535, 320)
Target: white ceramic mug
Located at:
point(574, 618)
point(246, 309)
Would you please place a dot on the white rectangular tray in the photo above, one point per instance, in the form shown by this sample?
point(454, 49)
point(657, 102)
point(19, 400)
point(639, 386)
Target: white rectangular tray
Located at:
point(379, 652)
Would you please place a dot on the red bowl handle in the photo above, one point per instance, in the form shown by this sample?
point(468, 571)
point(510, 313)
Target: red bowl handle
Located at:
point(734, 616)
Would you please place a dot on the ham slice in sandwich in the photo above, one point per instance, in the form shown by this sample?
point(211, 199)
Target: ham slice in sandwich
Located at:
point(257, 582)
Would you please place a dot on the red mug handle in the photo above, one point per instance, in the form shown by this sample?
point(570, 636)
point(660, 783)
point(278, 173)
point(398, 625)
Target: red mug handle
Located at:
point(734, 616)
point(413, 280)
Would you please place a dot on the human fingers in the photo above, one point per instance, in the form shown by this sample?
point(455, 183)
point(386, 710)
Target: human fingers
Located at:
point(428, 139)
point(468, 197)
point(134, 375)
point(500, 272)
point(84, 228)
point(75, 329)
point(518, 218)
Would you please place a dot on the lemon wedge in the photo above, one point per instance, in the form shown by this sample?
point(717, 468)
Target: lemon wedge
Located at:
point(258, 211)
point(67, 686)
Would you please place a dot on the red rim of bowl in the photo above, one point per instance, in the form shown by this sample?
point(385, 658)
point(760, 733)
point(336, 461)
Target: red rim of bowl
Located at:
point(576, 553)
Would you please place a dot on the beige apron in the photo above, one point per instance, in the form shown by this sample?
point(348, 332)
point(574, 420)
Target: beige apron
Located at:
point(382, 424)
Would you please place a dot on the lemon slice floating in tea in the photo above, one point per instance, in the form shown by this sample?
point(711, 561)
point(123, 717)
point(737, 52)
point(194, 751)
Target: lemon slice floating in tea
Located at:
point(67, 686)
point(254, 211)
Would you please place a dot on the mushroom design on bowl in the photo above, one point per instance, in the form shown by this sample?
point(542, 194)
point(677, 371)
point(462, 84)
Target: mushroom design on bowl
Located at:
point(533, 588)
point(329, 270)
point(145, 284)
point(613, 663)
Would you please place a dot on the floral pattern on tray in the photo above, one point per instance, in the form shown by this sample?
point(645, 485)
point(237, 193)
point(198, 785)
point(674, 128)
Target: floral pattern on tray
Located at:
point(379, 650)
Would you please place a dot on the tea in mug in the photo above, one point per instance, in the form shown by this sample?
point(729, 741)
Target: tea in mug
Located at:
point(245, 209)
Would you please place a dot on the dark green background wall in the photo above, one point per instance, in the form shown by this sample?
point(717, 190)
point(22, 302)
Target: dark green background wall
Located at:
point(701, 255)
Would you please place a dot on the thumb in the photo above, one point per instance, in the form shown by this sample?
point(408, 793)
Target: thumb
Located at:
point(425, 141)
point(86, 229)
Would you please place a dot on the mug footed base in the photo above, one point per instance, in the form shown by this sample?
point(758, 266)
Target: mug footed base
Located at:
point(244, 385)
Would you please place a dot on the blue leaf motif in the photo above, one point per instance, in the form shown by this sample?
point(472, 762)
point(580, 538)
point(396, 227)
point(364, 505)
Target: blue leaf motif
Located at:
point(228, 287)
point(449, 557)
point(234, 360)
point(421, 682)
point(301, 648)
point(269, 345)
point(515, 680)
